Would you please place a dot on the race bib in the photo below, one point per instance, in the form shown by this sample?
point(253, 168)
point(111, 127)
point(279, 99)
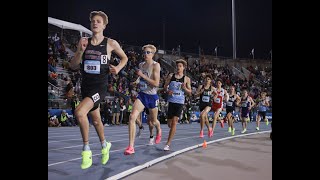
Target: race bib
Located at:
point(217, 100)
point(229, 103)
point(104, 59)
point(95, 97)
point(176, 94)
point(205, 98)
point(244, 104)
point(92, 67)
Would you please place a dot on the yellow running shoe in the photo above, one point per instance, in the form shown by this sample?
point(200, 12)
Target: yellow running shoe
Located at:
point(105, 153)
point(86, 159)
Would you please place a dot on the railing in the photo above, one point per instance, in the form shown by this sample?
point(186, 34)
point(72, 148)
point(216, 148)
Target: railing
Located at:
point(53, 87)
point(58, 104)
point(238, 73)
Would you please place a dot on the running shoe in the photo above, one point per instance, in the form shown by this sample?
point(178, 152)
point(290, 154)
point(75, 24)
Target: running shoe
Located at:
point(201, 134)
point(86, 159)
point(244, 130)
point(151, 141)
point(166, 148)
point(158, 137)
point(129, 150)
point(105, 153)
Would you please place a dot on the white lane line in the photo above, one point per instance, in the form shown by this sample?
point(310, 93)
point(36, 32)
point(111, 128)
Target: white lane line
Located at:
point(113, 151)
point(67, 147)
point(157, 160)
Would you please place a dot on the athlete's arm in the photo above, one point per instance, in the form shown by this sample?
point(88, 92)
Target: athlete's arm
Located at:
point(155, 73)
point(238, 101)
point(136, 81)
point(123, 57)
point(75, 61)
point(252, 103)
point(166, 84)
point(226, 96)
point(238, 98)
point(187, 86)
point(199, 91)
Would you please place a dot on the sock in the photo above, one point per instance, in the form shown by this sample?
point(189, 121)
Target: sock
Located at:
point(151, 137)
point(86, 147)
point(104, 144)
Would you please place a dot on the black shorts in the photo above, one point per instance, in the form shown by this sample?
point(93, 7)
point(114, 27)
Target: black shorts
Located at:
point(96, 94)
point(174, 109)
point(262, 114)
point(230, 110)
point(202, 106)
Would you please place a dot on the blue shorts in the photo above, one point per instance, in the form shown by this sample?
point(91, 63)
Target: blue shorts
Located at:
point(149, 101)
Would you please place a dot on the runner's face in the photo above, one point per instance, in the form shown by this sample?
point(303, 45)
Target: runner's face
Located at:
point(232, 89)
point(97, 24)
point(219, 84)
point(147, 53)
point(180, 67)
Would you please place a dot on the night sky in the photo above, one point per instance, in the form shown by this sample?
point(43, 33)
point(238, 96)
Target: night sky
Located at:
point(190, 23)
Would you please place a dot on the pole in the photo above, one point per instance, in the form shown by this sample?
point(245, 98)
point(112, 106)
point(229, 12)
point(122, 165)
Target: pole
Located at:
point(163, 33)
point(234, 30)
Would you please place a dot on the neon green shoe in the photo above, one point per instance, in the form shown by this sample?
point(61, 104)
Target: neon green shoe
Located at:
point(267, 122)
point(86, 159)
point(105, 153)
point(257, 128)
point(229, 129)
point(233, 131)
point(244, 130)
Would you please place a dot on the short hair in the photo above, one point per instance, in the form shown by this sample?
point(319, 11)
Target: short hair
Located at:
point(181, 61)
point(219, 80)
point(152, 47)
point(99, 13)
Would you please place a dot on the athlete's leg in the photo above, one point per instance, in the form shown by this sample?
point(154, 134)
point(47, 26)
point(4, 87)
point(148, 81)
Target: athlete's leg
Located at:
point(215, 117)
point(230, 123)
point(96, 121)
point(153, 113)
point(136, 110)
point(258, 118)
point(81, 113)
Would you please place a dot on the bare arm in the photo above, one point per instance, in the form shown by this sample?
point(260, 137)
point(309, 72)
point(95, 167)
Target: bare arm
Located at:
point(267, 102)
point(136, 81)
point(75, 61)
point(199, 91)
point(226, 96)
point(123, 57)
point(238, 101)
point(252, 103)
point(155, 73)
point(187, 86)
point(166, 84)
